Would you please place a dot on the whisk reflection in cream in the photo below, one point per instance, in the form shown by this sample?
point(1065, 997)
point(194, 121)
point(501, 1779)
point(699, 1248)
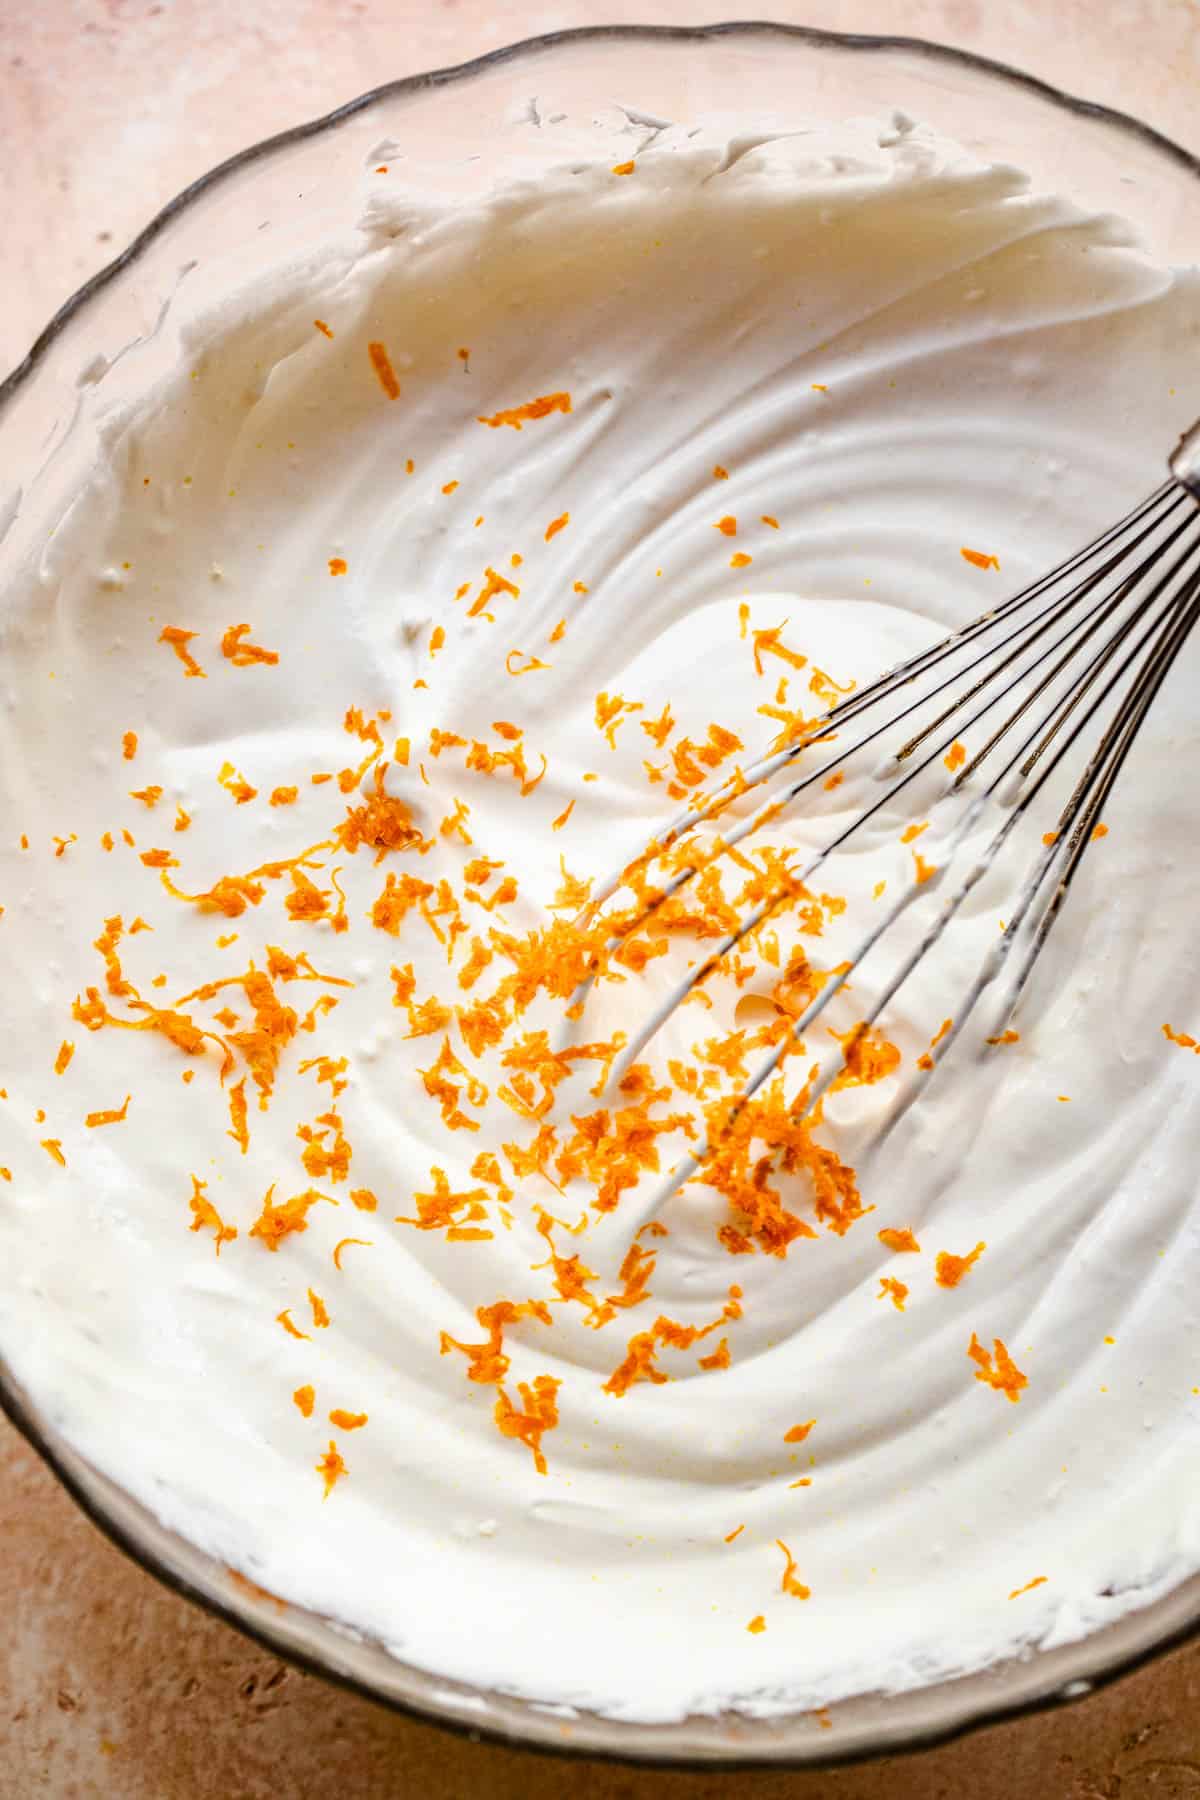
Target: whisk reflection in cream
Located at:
point(1087, 645)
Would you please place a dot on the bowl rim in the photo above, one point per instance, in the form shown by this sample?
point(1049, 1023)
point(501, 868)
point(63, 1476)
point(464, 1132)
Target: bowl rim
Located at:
point(14, 1404)
point(816, 36)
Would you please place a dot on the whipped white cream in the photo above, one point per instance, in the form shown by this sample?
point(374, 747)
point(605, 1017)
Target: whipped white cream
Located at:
point(892, 353)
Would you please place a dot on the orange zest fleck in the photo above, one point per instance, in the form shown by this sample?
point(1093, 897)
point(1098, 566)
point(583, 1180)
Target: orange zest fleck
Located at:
point(735, 1533)
point(789, 1584)
point(341, 1244)
point(275, 1223)
point(347, 1421)
point(488, 1362)
point(331, 1467)
point(519, 668)
point(757, 1625)
point(979, 559)
point(494, 584)
point(284, 1318)
point(893, 1290)
point(305, 1398)
point(205, 1216)
point(338, 565)
point(926, 1061)
point(640, 1362)
point(767, 641)
point(557, 525)
point(239, 1129)
point(179, 641)
point(997, 1370)
point(129, 744)
point(901, 1241)
point(955, 756)
point(540, 1414)
point(950, 1269)
point(111, 1116)
point(624, 168)
point(66, 1051)
point(53, 1147)
point(381, 362)
point(241, 654)
point(1038, 1581)
point(517, 416)
point(323, 328)
point(235, 784)
point(796, 1434)
point(610, 714)
point(924, 870)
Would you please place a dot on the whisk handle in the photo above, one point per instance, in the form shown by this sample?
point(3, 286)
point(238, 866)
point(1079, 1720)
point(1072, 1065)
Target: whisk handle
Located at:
point(1185, 460)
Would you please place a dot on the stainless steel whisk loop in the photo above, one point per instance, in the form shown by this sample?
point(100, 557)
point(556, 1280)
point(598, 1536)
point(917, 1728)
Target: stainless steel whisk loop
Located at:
point(1184, 461)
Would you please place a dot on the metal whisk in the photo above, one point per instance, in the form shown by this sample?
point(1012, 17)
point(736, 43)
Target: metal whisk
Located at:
point(1087, 645)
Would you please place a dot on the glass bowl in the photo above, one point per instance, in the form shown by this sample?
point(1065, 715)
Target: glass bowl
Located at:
point(456, 132)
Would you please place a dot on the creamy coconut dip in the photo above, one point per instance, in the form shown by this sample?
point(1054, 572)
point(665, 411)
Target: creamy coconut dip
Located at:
point(437, 579)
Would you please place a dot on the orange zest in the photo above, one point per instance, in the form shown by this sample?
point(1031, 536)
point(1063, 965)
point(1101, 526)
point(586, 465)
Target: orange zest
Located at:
point(179, 641)
point(949, 1270)
point(241, 654)
point(789, 1584)
point(331, 1468)
point(205, 1216)
point(902, 1241)
point(997, 1370)
point(381, 362)
point(517, 416)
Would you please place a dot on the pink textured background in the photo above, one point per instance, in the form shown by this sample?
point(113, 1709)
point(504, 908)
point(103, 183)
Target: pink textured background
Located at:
point(109, 1686)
